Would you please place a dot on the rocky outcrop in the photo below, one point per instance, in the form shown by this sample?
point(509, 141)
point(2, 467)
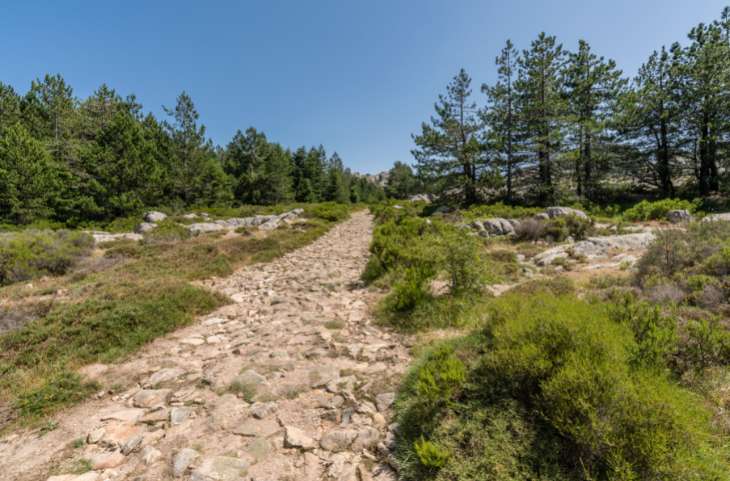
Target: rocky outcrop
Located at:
point(263, 222)
point(100, 236)
point(596, 247)
point(723, 217)
point(155, 217)
point(495, 227)
point(553, 212)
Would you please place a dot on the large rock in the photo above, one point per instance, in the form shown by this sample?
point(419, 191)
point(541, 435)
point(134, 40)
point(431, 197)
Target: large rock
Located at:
point(595, 247)
point(220, 468)
point(679, 216)
point(145, 227)
point(338, 439)
point(498, 226)
point(724, 217)
point(100, 236)
point(155, 216)
point(553, 212)
point(204, 227)
point(296, 438)
point(182, 460)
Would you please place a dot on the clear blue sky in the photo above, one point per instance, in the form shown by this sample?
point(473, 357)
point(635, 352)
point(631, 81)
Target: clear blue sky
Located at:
point(356, 76)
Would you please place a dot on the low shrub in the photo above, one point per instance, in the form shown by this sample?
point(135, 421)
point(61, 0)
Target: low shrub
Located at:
point(167, 231)
point(29, 254)
point(657, 210)
point(550, 389)
point(500, 210)
point(328, 211)
point(557, 229)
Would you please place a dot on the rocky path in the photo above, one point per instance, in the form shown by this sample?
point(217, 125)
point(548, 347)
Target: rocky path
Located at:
point(291, 382)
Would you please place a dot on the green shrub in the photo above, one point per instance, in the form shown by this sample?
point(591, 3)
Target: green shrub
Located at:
point(328, 211)
point(657, 210)
point(557, 229)
point(409, 290)
point(500, 210)
point(167, 231)
point(550, 389)
point(30, 254)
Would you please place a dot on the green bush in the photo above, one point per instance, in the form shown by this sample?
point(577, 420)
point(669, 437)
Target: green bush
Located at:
point(557, 229)
point(167, 231)
point(30, 254)
point(550, 389)
point(328, 211)
point(657, 210)
point(500, 210)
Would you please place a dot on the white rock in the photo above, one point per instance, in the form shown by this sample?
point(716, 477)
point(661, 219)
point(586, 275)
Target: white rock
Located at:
point(155, 216)
point(182, 460)
point(296, 438)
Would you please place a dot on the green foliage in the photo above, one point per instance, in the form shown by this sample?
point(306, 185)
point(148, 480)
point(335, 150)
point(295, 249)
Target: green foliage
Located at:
point(29, 179)
point(328, 211)
point(29, 254)
point(550, 389)
point(402, 183)
point(657, 210)
point(500, 210)
point(557, 229)
point(63, 389)
point(167, 231)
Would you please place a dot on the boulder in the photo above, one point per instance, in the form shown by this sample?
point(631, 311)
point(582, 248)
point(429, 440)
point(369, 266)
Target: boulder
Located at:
point(204, 227)
point(145, 227)
point(498, 226)
point(553, 212)
point(220, 468)
point(679, 216)
point(338, 439)
point(100, 236)
point(155, 216)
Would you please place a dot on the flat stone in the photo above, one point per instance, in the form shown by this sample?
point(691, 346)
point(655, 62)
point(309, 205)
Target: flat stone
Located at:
point(132, 444)
point(95, 436)
point(257, 428)
point(296, 438)
point(147, 398)
point(150, 455)
point(338, 439)
point(154, 417)
point(384, 401)
point(179, 415)
point(366, 438)
point(163, 376)
point(90, 476)
point(107, 460)
point(220, 468)
point(62, 477)
point(193, 341)
point(261, 410)
point(182, 460)
point(131, 414)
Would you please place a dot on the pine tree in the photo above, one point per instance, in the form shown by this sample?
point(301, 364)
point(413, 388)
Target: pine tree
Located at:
point(593, 86)
point(29, 180)
point(542, 108)
point(501, 116)
point(402, 182)
point(337, 189)
point(707, 79)
point(448, 152)
point(123, 169)
point(652, 116)
point(9, 106)
point(198, 176)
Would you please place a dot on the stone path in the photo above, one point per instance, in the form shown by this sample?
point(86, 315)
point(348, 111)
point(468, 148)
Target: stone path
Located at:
point(291, 382)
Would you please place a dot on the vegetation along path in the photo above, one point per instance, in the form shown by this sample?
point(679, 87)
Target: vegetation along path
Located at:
point(291, 381)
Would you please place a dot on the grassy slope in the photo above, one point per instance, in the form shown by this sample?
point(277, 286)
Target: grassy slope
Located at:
point(143, 292)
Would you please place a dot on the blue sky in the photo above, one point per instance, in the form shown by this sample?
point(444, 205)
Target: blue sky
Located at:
point(356, 76)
